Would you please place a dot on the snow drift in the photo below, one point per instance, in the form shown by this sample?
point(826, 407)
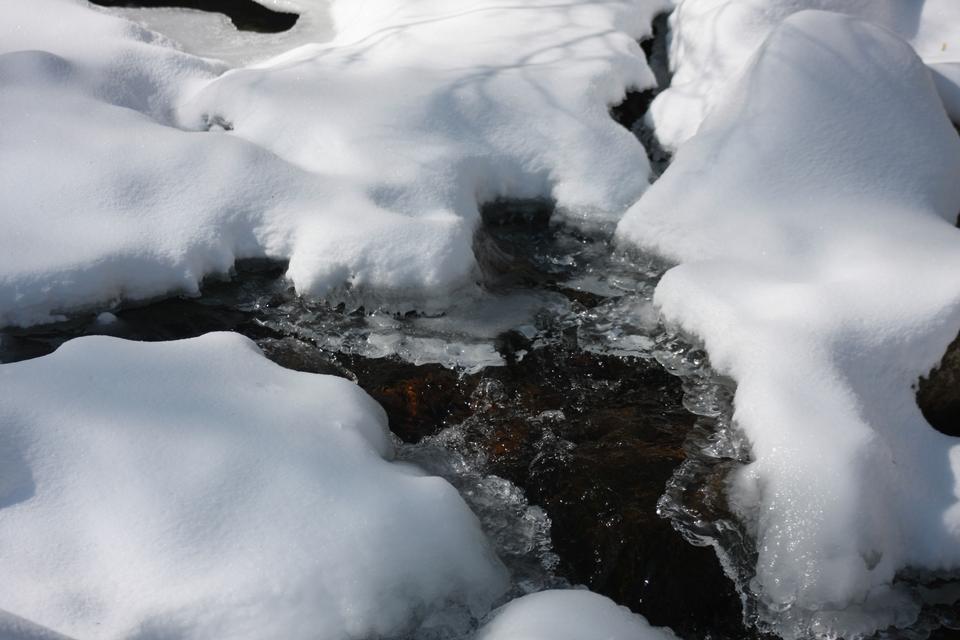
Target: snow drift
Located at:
point(712, 40)
point(196, 490)
point(813, 219)
point(568, 615)
point(132, 169)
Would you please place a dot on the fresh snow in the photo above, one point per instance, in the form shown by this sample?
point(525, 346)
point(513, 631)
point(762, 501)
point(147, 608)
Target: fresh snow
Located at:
point(133, 169)
point(568, 615)
point(196, 490)
point(813, 219)
point(712, 41)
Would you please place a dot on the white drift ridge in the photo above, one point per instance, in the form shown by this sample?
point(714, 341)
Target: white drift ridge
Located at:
point(812, 217)
point(712, 41)
point(196, 490)
point(571, 614)
point(132, 169)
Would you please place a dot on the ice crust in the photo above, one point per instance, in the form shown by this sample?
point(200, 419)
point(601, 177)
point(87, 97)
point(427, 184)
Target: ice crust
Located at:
point(568, 614)
point(132, 169)
point(194, 489)
point(712, 41)
point(812, 217)
point(213, 35)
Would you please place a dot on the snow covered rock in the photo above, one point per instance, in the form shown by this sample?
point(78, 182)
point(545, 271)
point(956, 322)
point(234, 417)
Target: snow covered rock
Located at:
point(813, 219)
point(712, 41)
point(194, 489)
point(132, 169)
point(568, 615)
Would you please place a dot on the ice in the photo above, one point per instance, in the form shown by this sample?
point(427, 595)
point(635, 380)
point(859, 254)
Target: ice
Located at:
point(193, 489)
point(813, 219)
point(213, 35)
point(568, 615)
point(712, 41)
point(132, 169)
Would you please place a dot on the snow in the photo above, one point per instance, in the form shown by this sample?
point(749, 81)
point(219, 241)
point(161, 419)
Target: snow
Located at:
point(132, 169)
point(712, 41)
point(812, 217)
point(568, 615)
point(15, 628)
point(193, 489)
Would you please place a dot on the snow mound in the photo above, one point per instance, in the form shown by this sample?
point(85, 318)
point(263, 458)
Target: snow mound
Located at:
point(813, 219)
point(132, 169)
point(568, 615)
point(196, 490)
point(712, 41)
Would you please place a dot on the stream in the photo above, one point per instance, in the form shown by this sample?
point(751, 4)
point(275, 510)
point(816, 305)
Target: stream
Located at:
point(592, 442)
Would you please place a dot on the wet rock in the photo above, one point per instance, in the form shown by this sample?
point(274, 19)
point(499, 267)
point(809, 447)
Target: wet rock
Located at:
point(298, 355)
point(593, 439)
point(938, 394)
point(419, 399)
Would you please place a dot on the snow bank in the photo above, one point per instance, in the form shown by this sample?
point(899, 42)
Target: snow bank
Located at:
point(568, 615)
point(712, 40)
point(194, 489)
point(132, 169)
point(813, 219)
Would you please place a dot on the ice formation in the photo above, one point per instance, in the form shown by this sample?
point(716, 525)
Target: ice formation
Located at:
point(813, 219)
point(194, 489)
point(213, 35)
point(712, 41)
point(568, 615)
point(133, 169)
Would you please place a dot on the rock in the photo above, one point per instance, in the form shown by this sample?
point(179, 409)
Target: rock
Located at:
point(938, 394)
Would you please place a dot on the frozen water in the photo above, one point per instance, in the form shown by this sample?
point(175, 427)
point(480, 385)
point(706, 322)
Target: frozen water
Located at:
point(213, 35)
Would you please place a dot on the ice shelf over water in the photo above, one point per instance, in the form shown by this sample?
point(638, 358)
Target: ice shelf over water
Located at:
point(132, 169)
point(813, 219)
point(195, 490)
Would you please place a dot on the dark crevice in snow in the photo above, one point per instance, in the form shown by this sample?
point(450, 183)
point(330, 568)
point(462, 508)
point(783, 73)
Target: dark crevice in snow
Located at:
point(215, 123)
point(631, 112)
point(657, 50)
point(246, 15)
point(633, 107)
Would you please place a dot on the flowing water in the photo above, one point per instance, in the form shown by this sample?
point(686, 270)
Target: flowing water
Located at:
point(593, 443)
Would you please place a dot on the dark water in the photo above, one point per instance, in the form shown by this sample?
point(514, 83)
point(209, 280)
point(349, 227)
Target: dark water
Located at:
point(246, 15)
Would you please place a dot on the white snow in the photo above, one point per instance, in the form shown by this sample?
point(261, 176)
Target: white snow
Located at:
point(813, 219)
point(568, 615)
point(195, 490)
point(712, 41)
point(362, 159)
